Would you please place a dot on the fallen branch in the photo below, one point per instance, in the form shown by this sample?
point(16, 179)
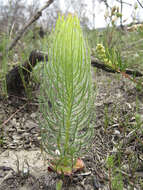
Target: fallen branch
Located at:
point(96, 63)
point(140, 3)
point(15, 83)
point(32, 20)
point(14, 77)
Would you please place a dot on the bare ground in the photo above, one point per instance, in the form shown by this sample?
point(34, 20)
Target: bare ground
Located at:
point(118, 132)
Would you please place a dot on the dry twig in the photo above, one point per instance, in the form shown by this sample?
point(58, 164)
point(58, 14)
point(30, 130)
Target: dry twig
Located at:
point(32, 20)
point(5, 122)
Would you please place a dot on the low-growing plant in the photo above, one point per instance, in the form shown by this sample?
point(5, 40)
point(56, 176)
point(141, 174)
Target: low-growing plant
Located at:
point(115, 176)
point(4, 63)
point(66, 97)
point(106, 119)
point(111, 57)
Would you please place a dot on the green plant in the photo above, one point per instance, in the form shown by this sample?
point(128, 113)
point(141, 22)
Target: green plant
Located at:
point(27, 88)
point(4, 63)
point(115, 176)
point(66, 129)
point(59, 185)
point(111, 57)
point(106, 119)
point(117, 182)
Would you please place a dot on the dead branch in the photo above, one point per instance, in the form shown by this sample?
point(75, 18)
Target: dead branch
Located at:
point(140, 3)
point(32, 20)
point(15, 83)
point(14, 78)
point(129, 4)
point(96, 63)
point(134, 27)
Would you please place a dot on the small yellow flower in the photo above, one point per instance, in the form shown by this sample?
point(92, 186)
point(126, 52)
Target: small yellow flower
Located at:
point(101, 51)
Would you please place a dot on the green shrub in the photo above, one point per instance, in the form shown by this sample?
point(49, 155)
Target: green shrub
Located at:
point(66, 129)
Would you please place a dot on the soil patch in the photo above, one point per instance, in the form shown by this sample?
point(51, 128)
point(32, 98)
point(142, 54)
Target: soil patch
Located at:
point(118, 103)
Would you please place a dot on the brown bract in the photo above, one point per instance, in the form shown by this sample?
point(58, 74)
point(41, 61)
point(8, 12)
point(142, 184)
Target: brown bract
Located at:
point(67, 170)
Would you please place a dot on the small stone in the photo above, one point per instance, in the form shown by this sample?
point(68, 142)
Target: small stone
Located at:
point(116, 132)
point(33, 115)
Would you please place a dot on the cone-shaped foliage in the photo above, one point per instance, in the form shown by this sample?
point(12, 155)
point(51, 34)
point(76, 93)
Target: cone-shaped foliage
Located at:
point(67, 85)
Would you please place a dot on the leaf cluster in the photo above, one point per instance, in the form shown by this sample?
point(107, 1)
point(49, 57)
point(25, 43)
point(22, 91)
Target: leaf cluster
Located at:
point(67, 87)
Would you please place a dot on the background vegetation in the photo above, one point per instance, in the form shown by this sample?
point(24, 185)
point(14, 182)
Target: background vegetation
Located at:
point(123, 47)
